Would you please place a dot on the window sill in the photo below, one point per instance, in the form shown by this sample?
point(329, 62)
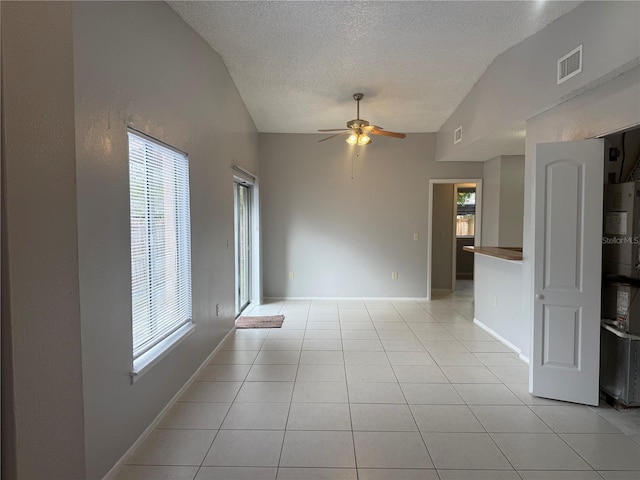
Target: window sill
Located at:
point(147, 360)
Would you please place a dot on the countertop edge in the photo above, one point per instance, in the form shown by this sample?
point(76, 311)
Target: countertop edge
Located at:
point(505, 253)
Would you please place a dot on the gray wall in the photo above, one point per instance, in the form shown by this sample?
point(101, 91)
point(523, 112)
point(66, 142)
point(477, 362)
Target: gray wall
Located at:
point(491, 203)
point(503, 201)
point(67, 212)
point(511, 200)
point(521, 82)
point(42, 405)
point(138, 63)
point(464, 259)
point(442, 232)
point(343, 237)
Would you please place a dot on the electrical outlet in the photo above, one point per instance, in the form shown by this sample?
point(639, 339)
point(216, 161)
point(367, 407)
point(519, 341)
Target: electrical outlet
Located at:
point(494, 301)
point(394, 275)
point(291, 275)
point(217, 309)
point(416, 236)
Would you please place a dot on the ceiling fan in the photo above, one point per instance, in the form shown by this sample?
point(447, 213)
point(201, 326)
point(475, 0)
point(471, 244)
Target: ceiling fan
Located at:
point(359, 129)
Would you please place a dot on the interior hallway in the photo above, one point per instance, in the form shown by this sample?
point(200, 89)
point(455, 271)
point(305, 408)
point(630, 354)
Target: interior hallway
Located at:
point(384, 390)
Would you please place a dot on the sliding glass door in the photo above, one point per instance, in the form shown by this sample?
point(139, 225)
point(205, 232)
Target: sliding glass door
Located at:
point(242, 194)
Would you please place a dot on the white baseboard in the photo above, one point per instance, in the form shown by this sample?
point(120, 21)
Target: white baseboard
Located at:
point(373, 299)
point(123, 460)
point(502, 340)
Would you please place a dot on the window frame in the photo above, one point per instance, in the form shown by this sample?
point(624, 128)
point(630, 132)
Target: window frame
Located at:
point(170, 161)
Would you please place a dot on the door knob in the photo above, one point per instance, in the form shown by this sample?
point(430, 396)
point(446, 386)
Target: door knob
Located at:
point(539, 296)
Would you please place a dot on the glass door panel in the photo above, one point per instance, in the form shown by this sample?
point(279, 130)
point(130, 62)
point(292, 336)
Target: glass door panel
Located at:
point(243, 263)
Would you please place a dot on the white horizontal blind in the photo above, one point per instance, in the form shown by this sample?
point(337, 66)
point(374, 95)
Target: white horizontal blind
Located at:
point(160, 242)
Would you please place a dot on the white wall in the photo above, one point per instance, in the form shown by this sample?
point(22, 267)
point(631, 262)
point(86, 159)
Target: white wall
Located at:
point(608, 108)
point(521, 82)
point(501, 280)
point(42, 404)
point(343, 237)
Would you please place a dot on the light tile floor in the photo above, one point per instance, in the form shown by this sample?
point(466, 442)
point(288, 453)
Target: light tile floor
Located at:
point(379, 390)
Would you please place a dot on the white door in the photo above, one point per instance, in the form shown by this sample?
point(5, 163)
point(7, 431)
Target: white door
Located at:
point(567, 268)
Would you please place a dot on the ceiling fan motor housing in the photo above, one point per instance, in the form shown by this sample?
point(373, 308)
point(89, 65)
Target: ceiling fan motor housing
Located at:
point(357, 123)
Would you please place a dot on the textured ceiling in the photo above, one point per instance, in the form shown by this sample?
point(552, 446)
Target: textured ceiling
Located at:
point(297, 64)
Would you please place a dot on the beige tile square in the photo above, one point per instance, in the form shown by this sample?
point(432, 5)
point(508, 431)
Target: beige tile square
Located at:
point(465, 451)
point(272, 373)
point(327, 392)
point(397, 474)
point(289, 473)
point(173, 447)
point(538, 451)
point(321, 373)
point(478, 475)
point(237, 473)
point(252, 392)
point(257, 416)
point(419, 374)
point(245, 448)
point(326, 357)
point(223, 373)
point(191, 415)
point(431, 394)
point(509, 419)
point(469, 375)
point(391, 450)
point(318, 449)
point(211, 392)
point(366, 392)
point(154, 472)
point(319, 416)
point(370, 373)
point(382, 418)
point(606, 451)
point(445, 418)
point(573, 419)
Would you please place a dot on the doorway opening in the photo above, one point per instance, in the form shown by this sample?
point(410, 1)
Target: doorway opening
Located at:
point(455, 220)
point(242, 202)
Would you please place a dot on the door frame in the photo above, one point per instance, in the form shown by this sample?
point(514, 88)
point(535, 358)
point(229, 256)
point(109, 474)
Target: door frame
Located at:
point(237, 185)
point(243, 175)
point(478, 223)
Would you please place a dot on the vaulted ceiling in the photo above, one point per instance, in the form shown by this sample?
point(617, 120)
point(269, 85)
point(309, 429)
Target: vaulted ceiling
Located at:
point(297, 63)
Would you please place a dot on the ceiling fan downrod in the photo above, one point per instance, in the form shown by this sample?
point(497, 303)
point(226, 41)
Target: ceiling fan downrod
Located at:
point(357, 97)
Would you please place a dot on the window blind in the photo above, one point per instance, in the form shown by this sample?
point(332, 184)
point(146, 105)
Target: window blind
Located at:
point(160, 242)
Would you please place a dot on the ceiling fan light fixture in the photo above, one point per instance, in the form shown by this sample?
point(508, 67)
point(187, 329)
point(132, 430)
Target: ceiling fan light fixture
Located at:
point(364, 139)
point(360, 139)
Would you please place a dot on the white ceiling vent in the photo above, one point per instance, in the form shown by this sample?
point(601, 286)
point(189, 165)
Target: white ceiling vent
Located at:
point(570, 65)
point(457, 135)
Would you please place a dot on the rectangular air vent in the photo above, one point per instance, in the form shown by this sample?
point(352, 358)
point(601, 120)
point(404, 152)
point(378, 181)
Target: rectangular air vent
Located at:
point(570, 65)
point(457, 135)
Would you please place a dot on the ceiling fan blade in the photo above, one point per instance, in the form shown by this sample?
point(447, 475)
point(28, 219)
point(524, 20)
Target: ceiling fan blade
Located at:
point(333, 130)
point(369, 128)
point(334, 135)
point(375, 131)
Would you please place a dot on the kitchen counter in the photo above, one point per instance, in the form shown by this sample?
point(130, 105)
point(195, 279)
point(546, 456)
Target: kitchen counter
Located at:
point(505, 253)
